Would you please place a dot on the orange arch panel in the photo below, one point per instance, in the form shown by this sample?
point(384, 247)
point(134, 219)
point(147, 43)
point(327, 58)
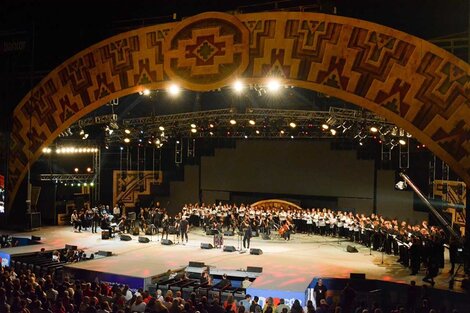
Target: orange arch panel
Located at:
point(407, 80)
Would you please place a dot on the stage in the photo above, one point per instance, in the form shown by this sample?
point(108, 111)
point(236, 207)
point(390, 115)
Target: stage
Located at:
point(289, 265)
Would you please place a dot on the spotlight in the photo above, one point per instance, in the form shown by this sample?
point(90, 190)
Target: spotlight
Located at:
point(325, 126)
point(333, 131)
point(233, 122)
point(92, 184)
point(257, 132)
point(193, 130)
point(238, 86)
point(211, 133)
point(174, 90)
point(85, 136)
point(402, 142)
point(76, 170)
point(292, 137)
point(211, 125)
point(374, 129)
point(146, 92)
point(127, 131)
point(245, 136)
point(252, 122)
point(161, 128)
point(88, 169)
point(193, 125)
point(401, 185)
point(82, 132)
point(282, 132)
point(292, 124)
point(78, 184)
point(273, 85)
point(127, 140)
point(85, 184)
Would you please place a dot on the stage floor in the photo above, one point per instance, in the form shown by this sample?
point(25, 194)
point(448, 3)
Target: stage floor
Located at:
point(287, 262)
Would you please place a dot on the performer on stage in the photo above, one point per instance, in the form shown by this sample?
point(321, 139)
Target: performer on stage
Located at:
point(246, 234)
point(184, 228)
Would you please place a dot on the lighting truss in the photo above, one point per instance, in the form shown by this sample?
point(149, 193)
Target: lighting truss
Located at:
point(67, 177)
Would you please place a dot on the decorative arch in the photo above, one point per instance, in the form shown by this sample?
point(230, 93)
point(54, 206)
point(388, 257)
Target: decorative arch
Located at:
point(407, 80)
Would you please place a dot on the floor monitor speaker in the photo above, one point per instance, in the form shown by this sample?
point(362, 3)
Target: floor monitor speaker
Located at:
point(125, 237)
point(229, 233)
point(35, 238)
point(357, 276)
point(196, 264)
point(144, 240)
point(71, 247)
point(256, 251)
point(104, 253)
point(205, 245)
point(351, 249)
point(254, 269)
point(167, 242)
point(229, 249)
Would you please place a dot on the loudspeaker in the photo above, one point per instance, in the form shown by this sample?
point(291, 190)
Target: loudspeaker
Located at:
point(71, 247)
point(196, 264)
point(35, 238)
point(254, 269)
point(104, 253)
point(205, 245)
point(144, 240)
point(256, 251)
point(126, 237)
point(228, 233)
point(229, 249)
point(357, 276)
point(266, 237)
point(211, 232)
point(105, 234)
point(351, 249)
point(167, 242)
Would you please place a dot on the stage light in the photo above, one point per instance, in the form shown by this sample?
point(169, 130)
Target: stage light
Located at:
point(146, 92)
point(273, 85)
point(292, 137)
point(76, 170)
point(374, 129)
point(85, 136)
point(82, 132)
point(127, 131)
point(92, 184)
point(252, 122)
point(85, 184)
point(402, 142)
point(233, 122)
point(65, 184)
point(88, 169)
point(325, 126)
point(78, 184)
point(292, 124)
point(257, 132)
point(360, 143)
point(211, 125)
point(333, 131)
point(238, 86)
point(282, 132)
point(127, 140)
point(46, 150)
point(174, 90)
point(211, 133)
point(193, 130)
point(71, 185)
point(245, 136)
point(193, 125)
point(161, 128)
point(408, 135)
point(122, 148)
point(401, 185)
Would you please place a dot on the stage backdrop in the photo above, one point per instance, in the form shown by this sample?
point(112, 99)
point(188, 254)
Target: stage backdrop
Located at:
point(129, 185)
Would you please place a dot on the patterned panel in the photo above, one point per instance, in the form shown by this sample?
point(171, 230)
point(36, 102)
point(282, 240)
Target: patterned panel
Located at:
point(412, 83)
point(128, 188)
point(207, 49)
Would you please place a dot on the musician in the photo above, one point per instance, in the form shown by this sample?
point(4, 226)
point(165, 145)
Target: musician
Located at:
point(285, 230)
point(95, 222)
point(246, 234)
point(105, 225)
point(165, 225)
point(142, 219)
point(123, 225)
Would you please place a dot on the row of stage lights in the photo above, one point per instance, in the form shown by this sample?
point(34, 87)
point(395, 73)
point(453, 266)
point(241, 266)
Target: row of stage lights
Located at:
point(70, 150)
point(80, 184)
point(272, 85)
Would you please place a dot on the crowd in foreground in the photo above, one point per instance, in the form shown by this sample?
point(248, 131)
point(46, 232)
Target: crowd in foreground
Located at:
point(24, 292)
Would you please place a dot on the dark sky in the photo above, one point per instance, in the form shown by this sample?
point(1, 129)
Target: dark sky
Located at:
point(63, 28)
